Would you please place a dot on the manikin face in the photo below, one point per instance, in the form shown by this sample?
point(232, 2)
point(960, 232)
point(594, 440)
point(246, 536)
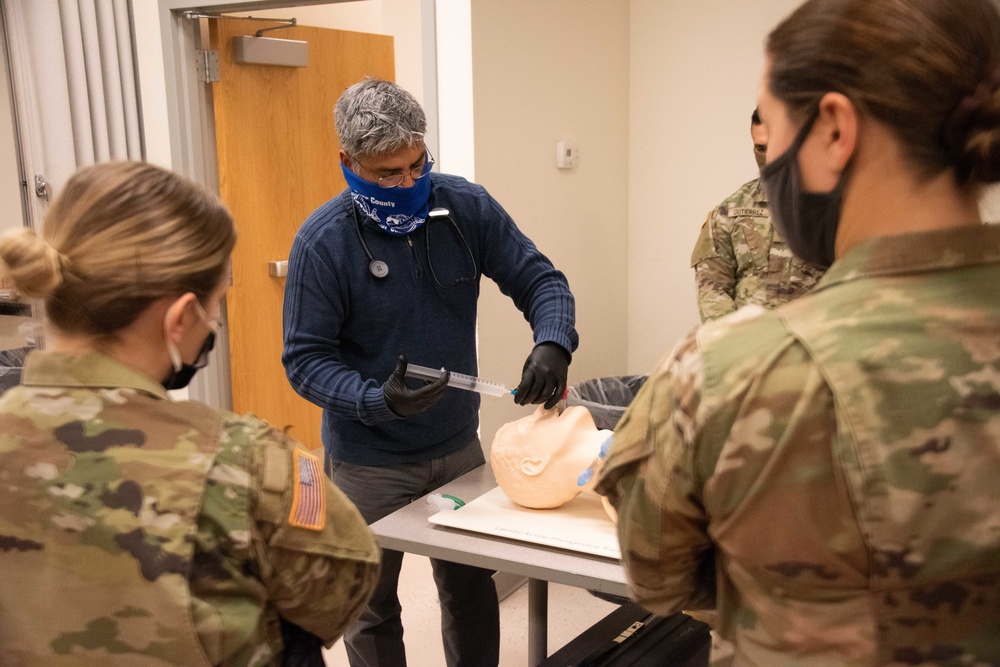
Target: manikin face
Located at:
point(538, 459)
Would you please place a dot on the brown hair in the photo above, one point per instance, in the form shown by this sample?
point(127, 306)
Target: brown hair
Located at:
point(927, 69)
point(118, 237)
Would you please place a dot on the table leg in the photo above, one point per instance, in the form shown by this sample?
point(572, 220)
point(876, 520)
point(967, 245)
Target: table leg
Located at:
point(538, 619)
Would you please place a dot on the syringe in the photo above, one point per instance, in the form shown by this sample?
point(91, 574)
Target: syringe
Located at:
point(458, 380)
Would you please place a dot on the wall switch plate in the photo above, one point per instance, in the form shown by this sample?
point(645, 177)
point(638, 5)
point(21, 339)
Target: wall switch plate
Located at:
point(567, 154)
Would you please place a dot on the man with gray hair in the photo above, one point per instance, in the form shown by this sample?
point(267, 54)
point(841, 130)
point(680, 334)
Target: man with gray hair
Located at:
point(388, 272)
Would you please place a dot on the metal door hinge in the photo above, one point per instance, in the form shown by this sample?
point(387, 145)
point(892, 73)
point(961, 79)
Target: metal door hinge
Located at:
point(42, 190)
point(208, 66)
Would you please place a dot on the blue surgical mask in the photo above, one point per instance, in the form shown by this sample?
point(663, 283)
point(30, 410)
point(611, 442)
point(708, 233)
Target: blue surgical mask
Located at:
point(807, 221)
point(395, 210)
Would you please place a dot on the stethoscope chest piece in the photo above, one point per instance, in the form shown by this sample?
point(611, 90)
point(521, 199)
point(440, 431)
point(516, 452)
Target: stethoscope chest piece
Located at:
point(378, 268)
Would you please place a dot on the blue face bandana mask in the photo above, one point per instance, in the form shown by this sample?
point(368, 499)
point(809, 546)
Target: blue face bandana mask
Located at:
point(394, 210)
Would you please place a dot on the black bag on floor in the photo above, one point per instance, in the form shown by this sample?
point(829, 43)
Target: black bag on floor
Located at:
point(632, 637)
point(302, 648)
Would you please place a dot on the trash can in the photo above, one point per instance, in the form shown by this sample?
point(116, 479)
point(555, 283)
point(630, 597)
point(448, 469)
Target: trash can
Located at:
point(606, 398)
point(11, 363)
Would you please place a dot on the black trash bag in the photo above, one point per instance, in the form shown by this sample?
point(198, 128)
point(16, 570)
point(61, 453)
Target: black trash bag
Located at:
point(606, 398)
point(11, 363)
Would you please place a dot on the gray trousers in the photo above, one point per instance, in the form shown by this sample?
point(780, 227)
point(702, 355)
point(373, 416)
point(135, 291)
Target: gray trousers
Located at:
point(470, 613)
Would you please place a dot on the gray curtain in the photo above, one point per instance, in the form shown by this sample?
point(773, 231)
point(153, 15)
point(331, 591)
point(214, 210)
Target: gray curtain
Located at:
point(74, 83)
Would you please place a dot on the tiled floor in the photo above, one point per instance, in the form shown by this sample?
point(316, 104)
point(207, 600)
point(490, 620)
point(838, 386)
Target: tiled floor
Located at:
point(571, 611)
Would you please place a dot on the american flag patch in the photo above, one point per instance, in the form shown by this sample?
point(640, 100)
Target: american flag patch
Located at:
point(309, 496)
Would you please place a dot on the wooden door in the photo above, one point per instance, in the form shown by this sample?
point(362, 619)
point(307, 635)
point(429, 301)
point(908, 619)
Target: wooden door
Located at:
point(278, 161)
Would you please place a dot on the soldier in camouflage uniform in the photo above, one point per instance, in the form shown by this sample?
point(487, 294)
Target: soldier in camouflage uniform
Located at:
point(739, 258)
point(136, 529)
point(825, 474)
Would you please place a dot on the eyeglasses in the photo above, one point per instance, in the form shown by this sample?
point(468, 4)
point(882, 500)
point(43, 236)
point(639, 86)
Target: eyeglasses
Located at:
point(215, 329)
point(394, 180)
point(214, 325)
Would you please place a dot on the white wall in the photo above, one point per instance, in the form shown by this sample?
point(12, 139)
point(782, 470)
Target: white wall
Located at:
point(152, 83)
point(545, 71)
point(453, 61)
point(12, 213)
point(694, 68)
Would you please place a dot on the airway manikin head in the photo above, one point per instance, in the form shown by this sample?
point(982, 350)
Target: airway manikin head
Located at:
point(538, 460)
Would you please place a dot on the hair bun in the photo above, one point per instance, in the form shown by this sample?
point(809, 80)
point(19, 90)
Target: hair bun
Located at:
point(32, 265)
point(972, 135)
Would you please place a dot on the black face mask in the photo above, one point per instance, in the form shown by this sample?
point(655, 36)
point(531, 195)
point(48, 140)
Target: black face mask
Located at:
point(181, 377)
point(806, 220)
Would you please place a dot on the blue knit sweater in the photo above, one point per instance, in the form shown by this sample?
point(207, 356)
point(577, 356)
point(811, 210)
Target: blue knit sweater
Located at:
point(344, 329)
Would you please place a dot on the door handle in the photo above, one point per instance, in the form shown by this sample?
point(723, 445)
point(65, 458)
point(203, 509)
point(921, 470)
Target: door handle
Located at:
point(277, 269)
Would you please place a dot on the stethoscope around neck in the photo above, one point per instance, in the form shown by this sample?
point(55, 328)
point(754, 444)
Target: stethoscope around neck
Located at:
point(379, 269)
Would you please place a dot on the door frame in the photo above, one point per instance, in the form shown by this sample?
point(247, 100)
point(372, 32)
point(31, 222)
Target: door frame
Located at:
point(192, 125)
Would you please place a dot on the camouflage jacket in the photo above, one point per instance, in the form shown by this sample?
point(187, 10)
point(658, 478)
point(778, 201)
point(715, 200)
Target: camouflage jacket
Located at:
point(826, 474)
point(739, 258)
point(136, 530)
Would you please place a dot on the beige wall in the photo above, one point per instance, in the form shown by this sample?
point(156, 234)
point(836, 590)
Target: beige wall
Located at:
point(694, 70)
point(399, 18)
point(544, 72)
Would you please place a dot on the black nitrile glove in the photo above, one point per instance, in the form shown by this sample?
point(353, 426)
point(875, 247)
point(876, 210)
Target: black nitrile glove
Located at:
point(544, 376)
point(405, 401)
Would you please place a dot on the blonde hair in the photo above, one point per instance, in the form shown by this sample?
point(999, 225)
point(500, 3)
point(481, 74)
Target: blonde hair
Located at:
point(118, 237)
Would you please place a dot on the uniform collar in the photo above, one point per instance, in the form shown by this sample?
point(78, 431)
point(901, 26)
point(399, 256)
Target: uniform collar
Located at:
point(919, 252)
point(759, 194)
point(92, 369)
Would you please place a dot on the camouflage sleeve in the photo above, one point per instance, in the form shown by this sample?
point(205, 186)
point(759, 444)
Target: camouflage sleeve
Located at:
point(650, 478)
point(320, 559)
point(714, 263)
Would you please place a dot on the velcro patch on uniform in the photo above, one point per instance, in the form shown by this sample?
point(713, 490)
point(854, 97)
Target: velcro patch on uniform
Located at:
point(275, 469)
point(309, 494)
point(747, 213)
